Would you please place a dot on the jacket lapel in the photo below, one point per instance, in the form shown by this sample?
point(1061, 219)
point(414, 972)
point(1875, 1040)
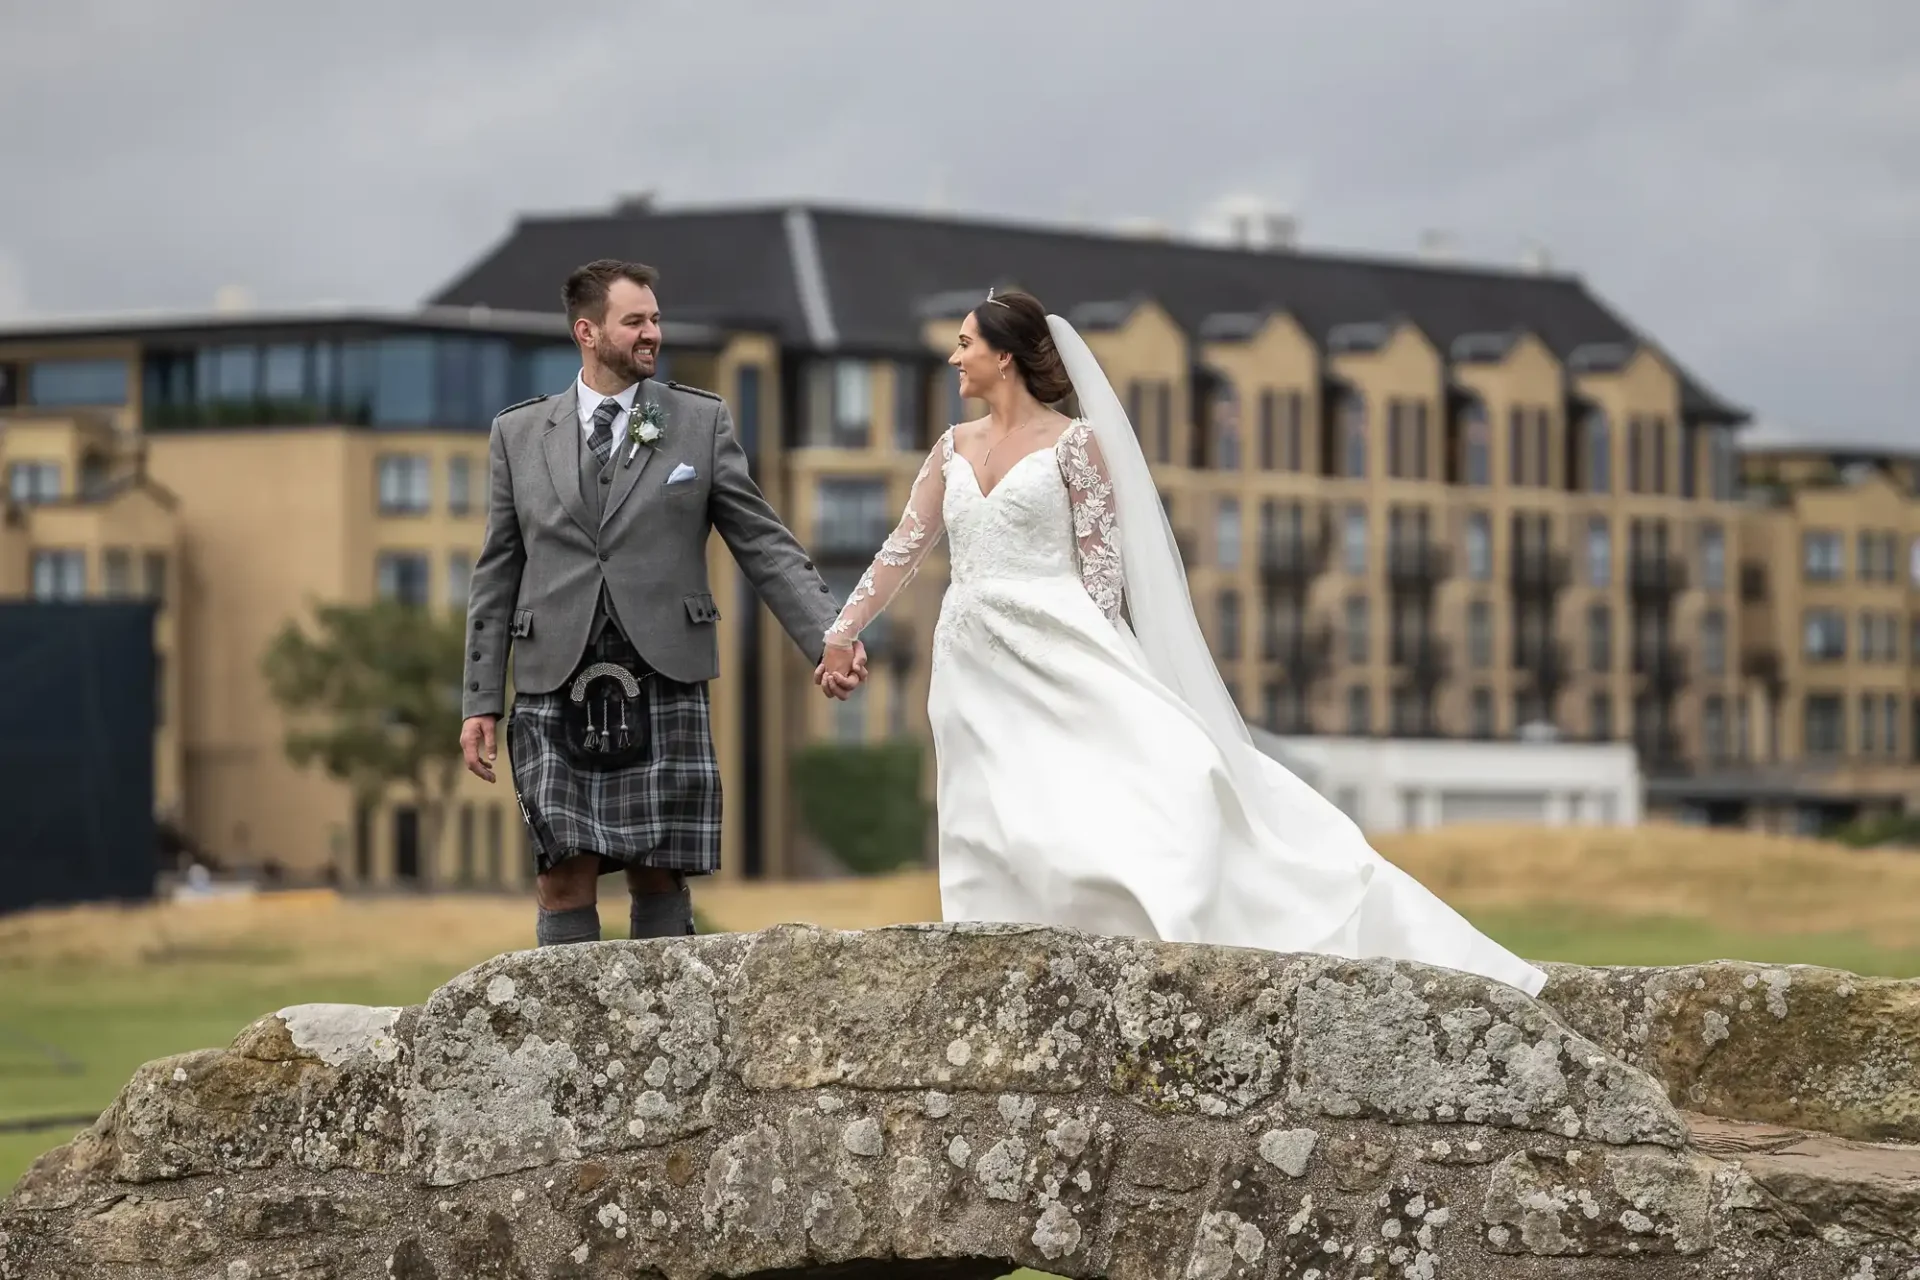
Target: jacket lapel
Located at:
point(561, 444)
point(626, 475)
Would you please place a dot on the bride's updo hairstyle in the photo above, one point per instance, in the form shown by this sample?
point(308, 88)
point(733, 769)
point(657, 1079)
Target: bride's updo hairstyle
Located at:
point(1016, 323)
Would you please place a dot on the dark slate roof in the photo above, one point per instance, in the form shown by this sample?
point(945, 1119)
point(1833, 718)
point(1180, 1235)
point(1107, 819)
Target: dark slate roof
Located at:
point(885, 273)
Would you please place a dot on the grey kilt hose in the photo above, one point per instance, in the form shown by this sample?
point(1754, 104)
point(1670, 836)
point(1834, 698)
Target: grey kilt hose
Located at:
point(662, 811)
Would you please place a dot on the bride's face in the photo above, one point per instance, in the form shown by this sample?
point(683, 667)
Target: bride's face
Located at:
point(979, 364)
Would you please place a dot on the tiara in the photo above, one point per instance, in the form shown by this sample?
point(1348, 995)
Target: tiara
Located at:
point(996, 301)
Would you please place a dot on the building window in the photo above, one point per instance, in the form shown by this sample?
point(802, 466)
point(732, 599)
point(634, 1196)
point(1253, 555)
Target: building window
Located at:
point(402, 577)
point(59, 575)
point(1476, 446)
point(1353, 539)
point(839, 404)
point(1723, 463)
point(459, 579)
point(1600, 717)
point(1296, 456)
point(1599, 552)
point(1163, 421)
point(1480, 713)
point(1658, 448)
point(1479, 546)
point(1824, 556)
point(1353, 435)
point(909, 408)
point(1598, 452)
point(1268, 445)
point(852, 517)
point(1226, 427)
point(496, 844)
point(1516, 446)
point(747, 393)
point(1713, 557)
point(116, 573)
point(154, 576)
point(159, 690)
point(469, 825)
point(1890, 724)
point(1636, 475)
point(1599, 637)
point(1418, 412)
point(405, 484)
point(1229, 625)
point(1713, 642)
point(1826, 635)
point(1359, 639)
point(68, 383)
point(1869, 724)
point(1398, 461)
point(1359, 711)
point(1226, 533)
point(1542, 448)
point(1713, 727)
point(31, 482)
point(1409, 713)
point(1480, 635)
point(459, 485)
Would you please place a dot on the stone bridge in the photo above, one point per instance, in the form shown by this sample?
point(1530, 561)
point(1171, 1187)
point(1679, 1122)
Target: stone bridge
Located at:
point(949, 1101)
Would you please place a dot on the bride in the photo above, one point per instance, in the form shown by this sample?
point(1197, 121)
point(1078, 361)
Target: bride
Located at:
point(1093, 771)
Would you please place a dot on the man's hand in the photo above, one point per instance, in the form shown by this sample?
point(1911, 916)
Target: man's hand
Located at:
point(842, 670)
point(477, 745)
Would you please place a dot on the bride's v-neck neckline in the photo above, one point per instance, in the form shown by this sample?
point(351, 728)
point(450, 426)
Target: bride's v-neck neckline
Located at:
point(1004, 475)
point(974, 471)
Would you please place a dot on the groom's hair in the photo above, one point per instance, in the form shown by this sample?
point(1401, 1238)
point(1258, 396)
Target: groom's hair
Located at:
point(585, 292)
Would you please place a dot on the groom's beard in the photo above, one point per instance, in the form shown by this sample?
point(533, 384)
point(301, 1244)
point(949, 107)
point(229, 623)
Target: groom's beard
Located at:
point(628, 363)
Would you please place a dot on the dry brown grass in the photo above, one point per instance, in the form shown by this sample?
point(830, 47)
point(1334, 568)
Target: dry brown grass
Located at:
point(1735, 881)
point(321, 934)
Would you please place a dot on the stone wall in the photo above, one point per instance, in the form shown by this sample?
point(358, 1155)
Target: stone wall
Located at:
point(955, 1101)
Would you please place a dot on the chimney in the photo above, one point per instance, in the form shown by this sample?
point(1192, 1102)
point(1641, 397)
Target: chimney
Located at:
point(1283, 231)
point(1535, 258)
point(635, 202)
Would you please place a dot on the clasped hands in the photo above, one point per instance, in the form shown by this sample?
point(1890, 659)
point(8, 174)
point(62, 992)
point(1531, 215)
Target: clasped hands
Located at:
point(842, 671)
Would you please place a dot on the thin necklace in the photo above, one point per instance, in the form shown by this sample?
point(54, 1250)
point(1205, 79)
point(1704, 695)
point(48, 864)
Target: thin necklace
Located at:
point(987, 461)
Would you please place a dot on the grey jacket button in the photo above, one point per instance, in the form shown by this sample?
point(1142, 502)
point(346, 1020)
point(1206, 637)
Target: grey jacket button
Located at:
point(474, 687)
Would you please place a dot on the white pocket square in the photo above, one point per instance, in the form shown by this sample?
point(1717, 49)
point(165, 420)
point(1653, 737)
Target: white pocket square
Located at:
point(680, 474)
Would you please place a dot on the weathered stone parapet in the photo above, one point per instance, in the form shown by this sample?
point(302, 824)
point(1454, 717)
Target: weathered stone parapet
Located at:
point(1794, 1045)
point(928, 1100)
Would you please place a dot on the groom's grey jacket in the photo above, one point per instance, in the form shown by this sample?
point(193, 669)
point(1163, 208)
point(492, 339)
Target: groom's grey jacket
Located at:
point(544, 556)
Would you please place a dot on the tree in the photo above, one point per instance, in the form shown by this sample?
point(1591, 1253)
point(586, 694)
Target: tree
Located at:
point(373, 699)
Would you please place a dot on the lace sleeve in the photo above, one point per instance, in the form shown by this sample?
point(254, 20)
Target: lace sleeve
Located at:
point(900, 556)
point(1091, 495)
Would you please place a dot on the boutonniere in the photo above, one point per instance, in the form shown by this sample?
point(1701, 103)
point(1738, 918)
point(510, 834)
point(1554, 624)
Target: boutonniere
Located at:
point(644, 423)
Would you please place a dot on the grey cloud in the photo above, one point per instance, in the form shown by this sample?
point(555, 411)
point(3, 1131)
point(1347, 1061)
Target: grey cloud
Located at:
point(1737, 176)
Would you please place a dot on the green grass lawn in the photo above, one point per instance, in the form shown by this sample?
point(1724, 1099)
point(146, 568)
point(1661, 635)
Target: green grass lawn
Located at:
point(110, 1022)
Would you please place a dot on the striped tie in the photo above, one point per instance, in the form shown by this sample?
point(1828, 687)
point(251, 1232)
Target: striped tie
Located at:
point(600, 439)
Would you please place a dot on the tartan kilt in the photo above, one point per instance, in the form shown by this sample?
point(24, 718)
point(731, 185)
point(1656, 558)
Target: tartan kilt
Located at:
point(662, 812)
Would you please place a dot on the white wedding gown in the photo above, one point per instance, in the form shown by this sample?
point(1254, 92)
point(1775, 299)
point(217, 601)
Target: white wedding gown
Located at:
point(1076, 790)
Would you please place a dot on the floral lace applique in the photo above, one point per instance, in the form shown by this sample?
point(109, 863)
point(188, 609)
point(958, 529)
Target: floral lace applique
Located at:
point(1090, 493)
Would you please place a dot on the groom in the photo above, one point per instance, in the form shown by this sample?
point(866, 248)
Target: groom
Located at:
point(593, 572)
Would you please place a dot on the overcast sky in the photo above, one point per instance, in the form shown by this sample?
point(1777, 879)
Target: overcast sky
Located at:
point(1740, 177)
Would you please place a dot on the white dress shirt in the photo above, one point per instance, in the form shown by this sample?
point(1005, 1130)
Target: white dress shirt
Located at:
point(590, 400)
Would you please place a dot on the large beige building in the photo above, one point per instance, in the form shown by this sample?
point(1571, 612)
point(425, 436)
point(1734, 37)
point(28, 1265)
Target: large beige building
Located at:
point(1414, 499)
